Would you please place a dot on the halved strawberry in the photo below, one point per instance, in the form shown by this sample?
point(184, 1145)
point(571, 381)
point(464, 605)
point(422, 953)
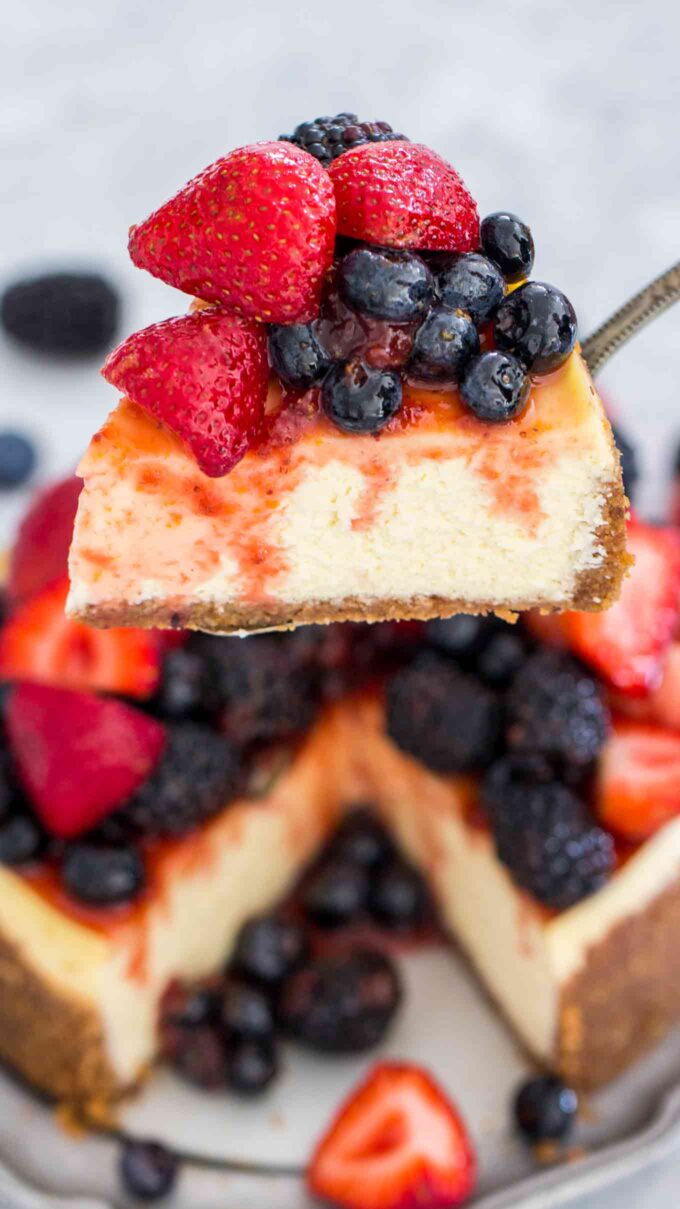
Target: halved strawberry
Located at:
point(663, 705)
point(403, 195)
point(397, 1143)
point(40, 643)
point(40, 553)
point(627, 643)
point(77, 755)
point(205, 376)
point(254, 231)
point(638, 784)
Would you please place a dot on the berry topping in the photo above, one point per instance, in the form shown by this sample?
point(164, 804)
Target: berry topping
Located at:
point(629, 461)
point(360, 399)
point(102, 874)
point(148, 1170)
point(397, 1142)
point(77, 755)
point(200, 1057)
point(21, 838)
point(70, 313)
point(545, 1109)
point(185, 689)
point(402, 195)
point(40, 643)
point(537, 323)
point(17, 459)
point(495, 387)
point(638, 782)
point(471, 283)
point(247, 1011)
point(628, 643)
point(196, 776)
point(296, 354)
point(40, 553)
point(398, 896)
point(268, 949)
point(347, 335)
point(502, 657)
point(546, 837)
point(251, 1066)
point(442, 716)
point(462, 636)
point(189, 1007)
point(336, 894)
point(327, 138)
point(205, 376)
point(556, 709)
point(509, 243)
point(443, 347)
point(361, 839)
point(386, 284)
point(342, 1004)
point(254, 232)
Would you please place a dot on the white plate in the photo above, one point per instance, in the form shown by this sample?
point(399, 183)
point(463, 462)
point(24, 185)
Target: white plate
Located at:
point(251, 1155)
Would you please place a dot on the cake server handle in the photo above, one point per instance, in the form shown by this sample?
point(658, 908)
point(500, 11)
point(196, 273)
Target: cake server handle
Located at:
point(616, 331)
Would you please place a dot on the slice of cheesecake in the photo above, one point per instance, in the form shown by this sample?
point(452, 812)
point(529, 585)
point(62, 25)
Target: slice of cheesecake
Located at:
point(441, 513)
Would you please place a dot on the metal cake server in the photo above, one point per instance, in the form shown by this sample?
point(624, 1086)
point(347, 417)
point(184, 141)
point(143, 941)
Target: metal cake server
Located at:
point(644, 306)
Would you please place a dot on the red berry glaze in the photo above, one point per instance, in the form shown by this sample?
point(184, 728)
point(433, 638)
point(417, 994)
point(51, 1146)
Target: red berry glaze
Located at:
point(205, 376)
point(254, 232)
point(77, 755)
point(402, 195)
point(40, 554)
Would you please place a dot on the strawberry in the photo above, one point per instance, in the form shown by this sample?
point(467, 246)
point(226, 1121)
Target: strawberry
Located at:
point(627, 644)
point(77, 755)
point(638, 783)
point(403, 195)
point(205, 375)
point(255, 232)
point(40, 643)
point(397, 1143)
point(40, 553)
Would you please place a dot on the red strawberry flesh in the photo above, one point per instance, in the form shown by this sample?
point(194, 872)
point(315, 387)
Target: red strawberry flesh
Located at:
point(254, 232)
point(638, 785)
point(40, 554)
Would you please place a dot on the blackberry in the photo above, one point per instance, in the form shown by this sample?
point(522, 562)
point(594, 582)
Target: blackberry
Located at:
point(361, 839)
point(197, 774)
point(102, 874)
point(357, 398)
point(386, 284)
point(398, 897)
point(268, 949)
point(471, 283)
point(342, 1004)
point(326, 138)
point(246, 1011)
point(266, 689)
point(297, 355)
point(442, 716)
point(495, 387)
point(336, 894)
point(537, 323)
point(508, 242)
point(546, 837)
point(556, 709)
point(69, 313)
point(251, 1066)
point(629, 461)
point(17, 459)
point(148, 1170)
point(443, 346)
point(545, 1109)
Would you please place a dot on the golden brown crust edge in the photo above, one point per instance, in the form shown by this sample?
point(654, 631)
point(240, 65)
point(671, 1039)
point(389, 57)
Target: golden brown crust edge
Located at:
point(54, 1041)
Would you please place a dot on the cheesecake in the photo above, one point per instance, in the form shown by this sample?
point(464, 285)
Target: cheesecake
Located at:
point(370, 412)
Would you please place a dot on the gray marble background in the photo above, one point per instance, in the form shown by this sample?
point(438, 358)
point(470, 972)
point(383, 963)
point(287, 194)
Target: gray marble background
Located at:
point(568, 114)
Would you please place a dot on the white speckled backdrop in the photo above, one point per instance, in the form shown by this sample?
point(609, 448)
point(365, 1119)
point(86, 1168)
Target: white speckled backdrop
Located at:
point(568, 114)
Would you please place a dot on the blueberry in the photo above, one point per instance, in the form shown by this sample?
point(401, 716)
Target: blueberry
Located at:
point(495, 387)
point(148, 1170)
point(102, 873)
point(200, 1057)
point(190, 1007)
point(186, 687)
point(336, 894)
point(398, 898)
point(471, 283)
point(361, 839)
point(509, 243)
point(251, 1066)
point(360, 399)
point(502, 657)
point(538, 324)
point(246, 1011)
point(629, 463)
point(386, 284)
point(443, 345)
point(344, 1003)
point(461, 636)
point(69, 313)
point(21, 839)
point(297, 355)
point(545, 1109)
point(268, 949)
point(17, 459)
